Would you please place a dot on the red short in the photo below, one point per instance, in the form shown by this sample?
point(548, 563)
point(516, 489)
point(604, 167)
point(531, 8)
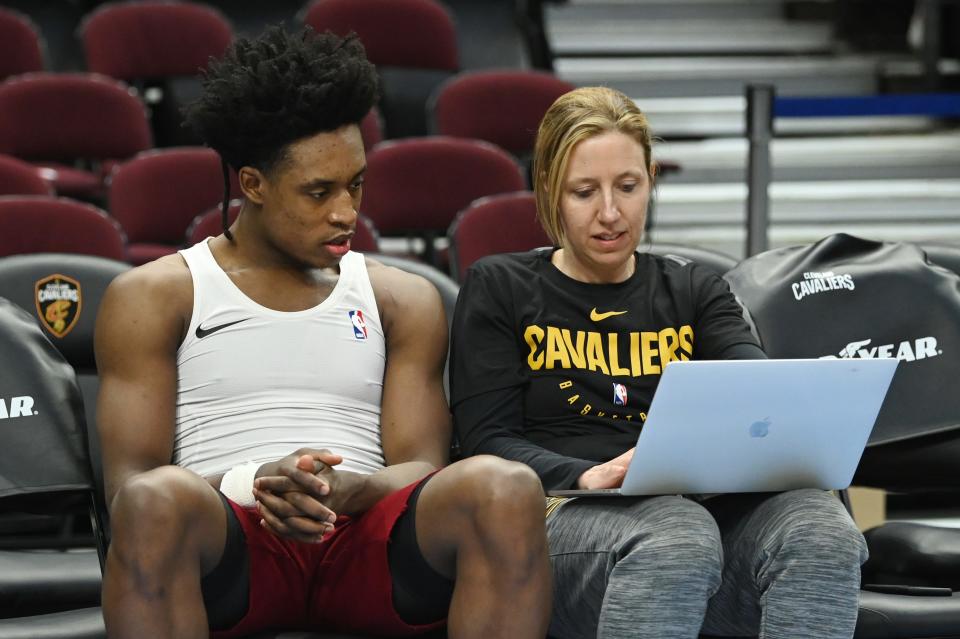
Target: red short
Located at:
point(342, 584)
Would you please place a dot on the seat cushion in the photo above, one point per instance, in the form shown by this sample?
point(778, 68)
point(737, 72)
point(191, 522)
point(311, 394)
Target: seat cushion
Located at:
point(886, 616)
point(84, 623)
point(913, 554)
point(40, 581)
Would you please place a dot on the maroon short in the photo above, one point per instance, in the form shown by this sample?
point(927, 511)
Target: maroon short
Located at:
point(342, 584)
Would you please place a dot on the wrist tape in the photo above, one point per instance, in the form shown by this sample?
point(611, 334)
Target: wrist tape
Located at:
point(237, 484)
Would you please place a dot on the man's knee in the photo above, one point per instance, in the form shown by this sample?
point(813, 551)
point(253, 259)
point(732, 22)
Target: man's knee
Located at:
point(677, 532)
point(816, 527)
point(491, 486)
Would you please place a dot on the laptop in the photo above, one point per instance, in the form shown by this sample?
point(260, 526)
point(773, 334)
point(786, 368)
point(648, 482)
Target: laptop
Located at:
point(733, 426)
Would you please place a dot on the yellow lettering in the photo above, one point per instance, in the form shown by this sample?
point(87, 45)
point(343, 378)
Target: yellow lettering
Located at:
point(586, 409)
point(575, 352)
point(635, 368)
point(648, 351)
point(565, 385)
point(669, 342)
point(556, 352)
point(614, 417)
point(595, 357)
point(643, 416)
point(615, 356)
point(686, 342)
point(629, 418)
point(600, 413)
point(533, 336)
point(573, 400)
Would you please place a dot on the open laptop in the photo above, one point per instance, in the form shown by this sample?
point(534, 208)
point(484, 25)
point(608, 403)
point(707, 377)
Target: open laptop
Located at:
point(734, 426)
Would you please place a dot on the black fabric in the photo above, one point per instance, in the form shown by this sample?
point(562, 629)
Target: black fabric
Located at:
point(853, 298)
point(226, 589)
point(41, 415)
point(535, 379)
point(421, 595)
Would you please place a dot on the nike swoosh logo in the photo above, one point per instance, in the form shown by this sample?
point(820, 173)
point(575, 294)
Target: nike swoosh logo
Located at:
point(596, 317)
point(204, 332)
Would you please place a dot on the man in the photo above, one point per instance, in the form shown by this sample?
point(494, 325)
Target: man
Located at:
point(303, 382)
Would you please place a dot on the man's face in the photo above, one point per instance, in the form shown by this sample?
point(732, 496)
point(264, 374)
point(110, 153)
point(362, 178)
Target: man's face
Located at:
point(311, 199)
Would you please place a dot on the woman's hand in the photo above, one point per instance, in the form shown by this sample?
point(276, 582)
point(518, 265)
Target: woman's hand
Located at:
point(606, 475)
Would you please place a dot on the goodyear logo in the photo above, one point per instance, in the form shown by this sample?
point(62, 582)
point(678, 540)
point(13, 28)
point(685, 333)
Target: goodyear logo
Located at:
point(59, 302)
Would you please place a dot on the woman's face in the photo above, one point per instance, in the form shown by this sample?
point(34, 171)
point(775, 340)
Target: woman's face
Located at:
point(603, 207)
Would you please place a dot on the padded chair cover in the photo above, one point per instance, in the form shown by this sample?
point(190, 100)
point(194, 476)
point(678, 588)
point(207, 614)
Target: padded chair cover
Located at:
point(457, 170)
point(479, 229)
point(42, 413)
point(66, 116)
point(716, 261)
point(44, 581)
point(913, 554)
point(85, 623)
point(129, 40)
point(890, 616)
point(37, 224)
point(853, 298)
point(20, 45)
point(21, 178)
point(501, 107)
point(416, 34)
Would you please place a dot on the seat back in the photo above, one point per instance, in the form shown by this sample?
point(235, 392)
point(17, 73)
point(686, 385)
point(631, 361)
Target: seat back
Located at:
point(852, 298)
point(156, 194)
point(39, 224)
point(419, 185)
point(21, 49)
point(131, 40)
point(70, 116)
point(716, 261)
point(476, 104)
point(494, 224)
point(20, 178)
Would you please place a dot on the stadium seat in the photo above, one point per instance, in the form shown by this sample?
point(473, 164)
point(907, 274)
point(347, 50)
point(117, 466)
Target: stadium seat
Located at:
point(851, 298)
point(21, 178)
point(371, 129)
point(417, 186)
point(716, 261)
point(44, 469)
point(412, 42)
point(21, 48)
point(157, 194)
point(501, 223)
point(209, 224)
point(502, 107)
point(159, 47)
point(38, 224)
point(60, 120)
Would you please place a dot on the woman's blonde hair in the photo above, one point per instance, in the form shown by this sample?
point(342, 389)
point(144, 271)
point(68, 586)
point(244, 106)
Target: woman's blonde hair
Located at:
point(572, 118)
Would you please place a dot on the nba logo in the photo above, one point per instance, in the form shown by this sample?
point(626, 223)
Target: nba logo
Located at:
point(619, 395)
point(359, 324)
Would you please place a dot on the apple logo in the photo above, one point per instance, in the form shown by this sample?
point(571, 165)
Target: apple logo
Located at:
point(760, 429)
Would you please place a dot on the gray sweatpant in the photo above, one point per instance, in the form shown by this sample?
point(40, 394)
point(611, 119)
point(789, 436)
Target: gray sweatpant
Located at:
point(773, 564)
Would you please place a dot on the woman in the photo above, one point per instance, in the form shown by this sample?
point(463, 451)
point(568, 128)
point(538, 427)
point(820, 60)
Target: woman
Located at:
point(556, 355)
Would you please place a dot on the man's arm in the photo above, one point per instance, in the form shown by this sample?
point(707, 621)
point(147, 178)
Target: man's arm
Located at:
point(139, 328)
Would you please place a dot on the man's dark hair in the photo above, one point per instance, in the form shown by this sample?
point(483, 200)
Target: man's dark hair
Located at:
point(280, 87)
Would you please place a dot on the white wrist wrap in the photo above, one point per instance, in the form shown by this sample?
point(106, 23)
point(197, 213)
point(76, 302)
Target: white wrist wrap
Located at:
point(237, 484)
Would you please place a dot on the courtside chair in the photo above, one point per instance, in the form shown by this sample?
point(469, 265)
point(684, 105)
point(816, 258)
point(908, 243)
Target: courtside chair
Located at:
point(75, 125)
point(716, 261)
point(852, 298)
point(39, 224)
point(21, 178)
point(371, 129)
point(416, 186)
point(209, 224)
point(156, 195)
point(21, 47)
point(44, 468)
point(160, 48)
point(503, 107)
point(413, 43)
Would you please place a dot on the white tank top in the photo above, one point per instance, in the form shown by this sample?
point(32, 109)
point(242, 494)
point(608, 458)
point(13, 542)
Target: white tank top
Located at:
point(255, 384)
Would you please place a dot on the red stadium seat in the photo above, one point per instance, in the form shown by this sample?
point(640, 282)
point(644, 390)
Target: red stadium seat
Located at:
point(496, 224)
point(371, 129)
point(38, 224)
point(21, 178)
point(502, 107)
point(209, 224)
point(21, 49)
point(420, 184)
point(156, 195)
point(52, 119)
point(131, 40)
point(416, 34)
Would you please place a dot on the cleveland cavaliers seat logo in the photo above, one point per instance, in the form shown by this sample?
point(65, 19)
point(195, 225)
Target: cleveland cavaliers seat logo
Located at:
point(58, 303)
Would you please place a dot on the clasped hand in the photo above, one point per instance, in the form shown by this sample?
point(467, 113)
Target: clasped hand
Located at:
point(299, 496)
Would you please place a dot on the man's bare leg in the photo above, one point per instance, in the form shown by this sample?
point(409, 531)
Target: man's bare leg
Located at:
point(169, 529)
point(481, 522)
